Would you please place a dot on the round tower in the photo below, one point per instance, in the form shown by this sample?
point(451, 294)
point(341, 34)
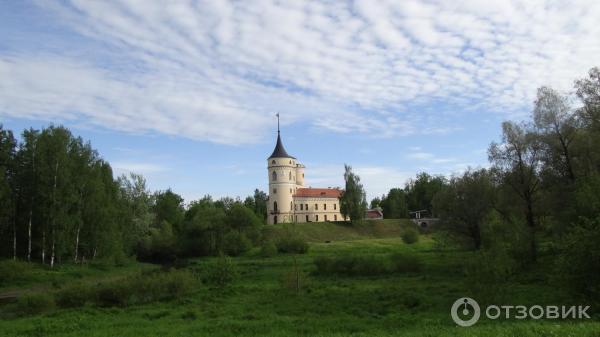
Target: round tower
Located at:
point(282, 184)
point(299, 175)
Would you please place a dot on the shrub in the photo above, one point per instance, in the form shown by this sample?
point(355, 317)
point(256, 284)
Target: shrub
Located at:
point(74, 296)
point(410, 236)
point(268, 249)
point(353, 265)
point(30, 304)
point(403, 263)
point(12, 271)
point(487, 273)
point(222, 272)
point(235, 244)
point(579, 261)
point(145, 288)
point(292, 244)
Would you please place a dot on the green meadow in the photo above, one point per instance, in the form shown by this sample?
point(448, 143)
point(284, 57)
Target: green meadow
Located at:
point(284, 295)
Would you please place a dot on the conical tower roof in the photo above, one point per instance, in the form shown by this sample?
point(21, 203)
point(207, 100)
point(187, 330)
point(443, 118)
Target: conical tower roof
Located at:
point(279, 151)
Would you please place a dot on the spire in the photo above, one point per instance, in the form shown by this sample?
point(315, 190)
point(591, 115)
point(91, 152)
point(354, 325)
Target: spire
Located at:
point(279, 151)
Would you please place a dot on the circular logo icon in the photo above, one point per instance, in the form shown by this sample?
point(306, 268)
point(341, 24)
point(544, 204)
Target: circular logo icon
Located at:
point(462, 309)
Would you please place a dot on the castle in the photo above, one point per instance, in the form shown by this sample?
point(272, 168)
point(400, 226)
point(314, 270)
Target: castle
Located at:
point(289, 200)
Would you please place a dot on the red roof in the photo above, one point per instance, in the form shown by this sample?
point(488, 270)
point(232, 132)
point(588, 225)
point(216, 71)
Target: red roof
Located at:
point(374, 214)
point(318, 192)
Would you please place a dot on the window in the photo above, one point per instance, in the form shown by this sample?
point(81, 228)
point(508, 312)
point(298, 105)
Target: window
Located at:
point(316, 217)
point(275, 219)
point(334, 206)
point(335, 217)
point(316, 207)
point(290, 162)
point(274, 191)
point(301, 207)
point(324, 207)
point(290, 176)
point(325, 216)
point(294, 207)
point(306, 206)
point(274, 176)
point(273, 162)
point(307, 219)
point(291, 203)
point(275, 206)
point(290, 191)
point(295, 218)
point(302, 175)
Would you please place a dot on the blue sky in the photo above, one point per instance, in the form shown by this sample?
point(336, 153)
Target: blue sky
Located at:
point(185, 92)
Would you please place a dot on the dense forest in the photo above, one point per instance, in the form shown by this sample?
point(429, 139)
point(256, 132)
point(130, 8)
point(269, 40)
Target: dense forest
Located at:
point(60, 202)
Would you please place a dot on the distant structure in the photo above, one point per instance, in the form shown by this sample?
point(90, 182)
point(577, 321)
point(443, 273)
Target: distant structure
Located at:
point(421, 219)
point(374, 213)
point(289, 200)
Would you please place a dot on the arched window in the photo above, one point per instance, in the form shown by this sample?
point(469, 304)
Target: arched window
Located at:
point(291, 205)
point(290, 162)
point(290, 175)
point(274, 175)
point(275, 219)
point(275, 206)
point(273, 162)
point(274, 191)
point(290, 191)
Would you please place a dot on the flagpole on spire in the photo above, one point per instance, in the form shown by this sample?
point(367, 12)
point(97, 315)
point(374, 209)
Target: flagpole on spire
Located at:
point(277, 114)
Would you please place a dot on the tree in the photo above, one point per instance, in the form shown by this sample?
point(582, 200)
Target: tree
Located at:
point(376, 202)
point(137, 212)
point(420, 191)
point(353, 201)
point(8, 187)
point(517, 161)
point(394, 204)
point(556, 126)
point(169, 207)
point(464, 204)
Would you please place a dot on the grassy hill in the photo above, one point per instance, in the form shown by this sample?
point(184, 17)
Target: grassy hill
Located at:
point(340, 231)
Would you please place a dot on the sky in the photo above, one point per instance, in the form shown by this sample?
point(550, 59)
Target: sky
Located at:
point(186, 92)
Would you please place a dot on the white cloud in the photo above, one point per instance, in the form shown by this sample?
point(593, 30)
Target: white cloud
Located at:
point(218, 70)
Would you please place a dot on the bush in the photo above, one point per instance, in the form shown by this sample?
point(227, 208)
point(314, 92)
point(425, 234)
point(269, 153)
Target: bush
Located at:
point(268, 249)
point(222, 272)
point(579, 261)
point(74, 296)
point(12, 271)
point(235, 244)
point(30, 304)
point(410, 236)
point(292, 244)
point(403, 263)
point(353, 265)
point(145, 288)
point(487, 273)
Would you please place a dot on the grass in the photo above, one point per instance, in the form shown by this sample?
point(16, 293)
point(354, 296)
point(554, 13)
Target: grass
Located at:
point(256, 304)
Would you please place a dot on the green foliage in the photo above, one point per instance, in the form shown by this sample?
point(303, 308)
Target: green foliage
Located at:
point(294, 280)
point(268, 249)
point(159, 246)
point(421, 191)
point(410, 235)
point(463, 204)
point(487, 273)
point(220, 273)
point(405, 263)
point(292, 244)
point(14, 271)
point(579, 261)
point(353, 201)
point(75, 295)
point(235, 243)
point(31, 304)
point(367, 265)
point(394, 204)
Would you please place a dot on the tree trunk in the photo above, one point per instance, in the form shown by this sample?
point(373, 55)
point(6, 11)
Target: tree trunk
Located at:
point(29, 236)
point(53, 230)
point(14, 238)
point(531, 225)
point(43, 245)
point(77, 241)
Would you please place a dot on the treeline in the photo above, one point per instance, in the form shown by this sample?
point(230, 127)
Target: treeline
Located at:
point(60, 202)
